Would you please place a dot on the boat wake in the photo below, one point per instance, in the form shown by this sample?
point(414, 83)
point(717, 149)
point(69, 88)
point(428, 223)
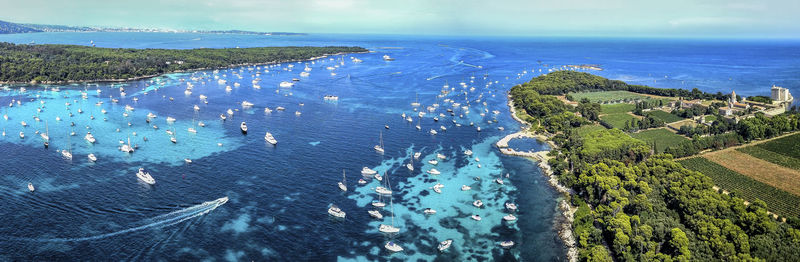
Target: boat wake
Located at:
point(169, 219)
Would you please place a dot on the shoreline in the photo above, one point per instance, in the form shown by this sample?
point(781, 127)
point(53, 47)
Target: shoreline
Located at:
point(13, 83)
point(567, 210)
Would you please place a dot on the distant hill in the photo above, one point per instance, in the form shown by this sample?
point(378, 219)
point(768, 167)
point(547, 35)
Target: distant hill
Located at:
point(17, 28)
point(12, 28)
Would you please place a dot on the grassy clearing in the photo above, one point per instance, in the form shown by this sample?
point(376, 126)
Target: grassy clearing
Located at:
point(583, 130)
point(711, 118)
point(777, 200)
point(617, 108)
point(663, 138)
point(617, 120)
point(664, 116)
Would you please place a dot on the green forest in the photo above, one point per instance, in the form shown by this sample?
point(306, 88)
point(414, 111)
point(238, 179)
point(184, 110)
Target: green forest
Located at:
point(635, 205)
point(60, 63)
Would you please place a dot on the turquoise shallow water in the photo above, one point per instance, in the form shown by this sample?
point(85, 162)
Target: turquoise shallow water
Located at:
point(279, 194)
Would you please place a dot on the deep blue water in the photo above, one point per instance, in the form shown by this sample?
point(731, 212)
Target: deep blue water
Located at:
point(279, 194)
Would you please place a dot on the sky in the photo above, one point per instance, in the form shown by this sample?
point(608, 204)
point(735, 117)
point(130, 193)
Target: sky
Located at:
point(618, 18)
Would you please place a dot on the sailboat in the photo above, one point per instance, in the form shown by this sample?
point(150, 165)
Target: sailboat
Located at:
point(46, 135)
point(389, 228)
point(67, 153)
point(416, 102)
point(410, 165)
point(379, 147)
point(342, 185)
point(391, 246)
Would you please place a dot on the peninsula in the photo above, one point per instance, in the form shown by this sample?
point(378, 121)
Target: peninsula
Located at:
point(72, 63)
point(631, 202)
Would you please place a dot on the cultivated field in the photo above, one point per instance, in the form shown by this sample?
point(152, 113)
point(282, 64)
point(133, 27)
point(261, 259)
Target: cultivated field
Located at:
point(778, 201)
point(783, 151)
point(617, 108)
point(663, 138)
point(783, 178)
point(664, 116)
point(607, 96)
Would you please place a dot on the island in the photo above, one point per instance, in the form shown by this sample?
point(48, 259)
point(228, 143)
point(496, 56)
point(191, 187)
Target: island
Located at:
point(72, 63)
point(20, 28)
point(627, 196)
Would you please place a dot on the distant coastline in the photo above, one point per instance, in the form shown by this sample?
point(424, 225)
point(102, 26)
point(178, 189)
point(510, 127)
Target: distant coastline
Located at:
point(20, 28)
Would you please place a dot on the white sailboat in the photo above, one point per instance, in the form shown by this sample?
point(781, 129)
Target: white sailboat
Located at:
point(390, 229)
point(342, 184)
point(379, 147)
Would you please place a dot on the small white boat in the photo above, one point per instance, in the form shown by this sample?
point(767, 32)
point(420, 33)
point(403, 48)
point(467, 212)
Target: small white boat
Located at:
point(30, 187)
point(192, 130)
point(438, 188)
point(243, 127)
point(170, 119)
point(66, 154)
point(511, 207)
point(498, 180)
point(383, 191)
point(433, 171)
point(429, 211)
point(433, 162)
point(440, 156)
point(468, 152)
point(375, 213)
point(509, 218)
point(378, 204)
point(151, 115)
point(336, 212)
point(433, 132)
point(246, 104)
point(388, 229)
point(92, 157)
point(444, 245)
point(410, 166)
point(367, 171)
point(342, 185)
point(229, 112)
point(476, 217)
point(391, 246)
point(362, 181)
point(188, 161)
point(89, 137)
point(378, 177)
point(507, 244)
point(286, 84)
point(201, 124)
point(465, 188)
point(145, 177)
point(417, 155)
point(477, 203)
point(21, 135)
point(268, 136)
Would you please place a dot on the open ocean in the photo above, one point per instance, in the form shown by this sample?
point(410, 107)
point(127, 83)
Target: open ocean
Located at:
point(279, 194)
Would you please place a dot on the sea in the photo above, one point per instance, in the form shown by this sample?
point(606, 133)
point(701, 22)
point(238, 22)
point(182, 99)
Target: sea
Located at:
point(278, 196)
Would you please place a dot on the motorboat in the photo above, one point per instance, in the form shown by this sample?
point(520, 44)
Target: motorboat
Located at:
point(444, 245)
point(498, 180)
point(375, 213)
point(170, 119)
point(66, 154)
point(92, 157)
point(433, 162)
point(367, 171)
point(192, 130)
point(336, 212)
point(30, 187)
point(507, 244)
point(89, 137)
point(477, 203)
point(438, 188)
point(429, 211)
point(468, 152)
point(391, 246)
point(509, 217)
point(286, 84)
point(433, 171)
point(362, 181)
point(511, 206)
point(378, 204)
point(440, 156)
point(145, 177)
point(465, 188)
point(476, 217)
point(268, 136)
point(417, 155)
point(243, 127)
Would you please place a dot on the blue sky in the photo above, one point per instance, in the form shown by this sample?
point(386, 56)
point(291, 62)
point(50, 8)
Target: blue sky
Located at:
point(626, 18)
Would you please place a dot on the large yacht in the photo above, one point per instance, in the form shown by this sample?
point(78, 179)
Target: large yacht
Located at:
point(336, 212)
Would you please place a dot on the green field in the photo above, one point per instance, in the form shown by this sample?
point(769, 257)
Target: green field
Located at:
point(617, 120)
point(664, 116)
point(662, 138)
point(778, 201)
point(784, 151)
point(617, 108)
point(711, 118)
point(583, 130)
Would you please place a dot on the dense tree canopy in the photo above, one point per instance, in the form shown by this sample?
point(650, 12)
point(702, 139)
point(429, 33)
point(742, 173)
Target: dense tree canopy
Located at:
point(55, 63)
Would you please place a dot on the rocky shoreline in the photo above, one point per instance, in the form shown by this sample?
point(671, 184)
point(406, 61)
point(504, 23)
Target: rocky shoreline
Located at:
point(567, 210)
